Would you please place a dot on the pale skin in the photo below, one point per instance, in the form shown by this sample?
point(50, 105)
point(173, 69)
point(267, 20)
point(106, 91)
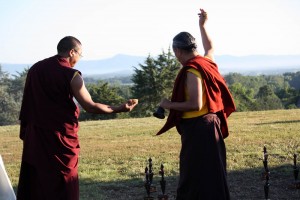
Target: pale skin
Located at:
point(82, 95)
point(193, 83)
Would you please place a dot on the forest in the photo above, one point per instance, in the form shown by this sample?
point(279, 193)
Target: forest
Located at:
point(152, 81)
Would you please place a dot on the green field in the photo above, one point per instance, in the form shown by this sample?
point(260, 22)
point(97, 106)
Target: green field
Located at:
point(114, 154)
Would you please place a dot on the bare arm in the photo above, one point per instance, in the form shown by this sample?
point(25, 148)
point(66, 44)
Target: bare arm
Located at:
point(194, 89)
point(84, 99)
point(206, 40)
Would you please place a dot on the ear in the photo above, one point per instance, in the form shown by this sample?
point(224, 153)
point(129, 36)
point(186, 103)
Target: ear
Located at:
point(71, 53)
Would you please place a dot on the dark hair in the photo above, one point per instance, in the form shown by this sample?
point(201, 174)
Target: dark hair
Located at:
point(67, 43)
point(185, 41)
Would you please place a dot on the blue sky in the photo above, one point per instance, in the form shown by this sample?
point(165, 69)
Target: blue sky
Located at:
point(31, 29)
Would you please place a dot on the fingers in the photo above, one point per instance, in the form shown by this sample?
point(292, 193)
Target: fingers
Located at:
point(132, 102)
point(135, 101)
point(202, 14)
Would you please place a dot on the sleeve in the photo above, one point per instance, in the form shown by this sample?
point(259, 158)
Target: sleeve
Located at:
point(77, 72)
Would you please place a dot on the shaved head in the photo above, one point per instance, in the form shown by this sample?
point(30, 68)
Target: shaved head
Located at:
point(68, 43)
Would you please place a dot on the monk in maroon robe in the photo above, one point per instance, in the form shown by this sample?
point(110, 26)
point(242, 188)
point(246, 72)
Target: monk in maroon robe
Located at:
point(199, 107)
point(49, 125)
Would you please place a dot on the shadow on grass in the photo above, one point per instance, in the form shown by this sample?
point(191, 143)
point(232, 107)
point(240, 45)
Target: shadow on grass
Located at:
point(245, 184)
point(249, 183)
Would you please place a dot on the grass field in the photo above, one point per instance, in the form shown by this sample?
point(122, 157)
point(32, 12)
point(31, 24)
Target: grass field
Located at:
point(114, 154)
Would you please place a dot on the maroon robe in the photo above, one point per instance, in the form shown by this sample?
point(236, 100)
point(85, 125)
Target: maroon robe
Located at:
point(49, 126)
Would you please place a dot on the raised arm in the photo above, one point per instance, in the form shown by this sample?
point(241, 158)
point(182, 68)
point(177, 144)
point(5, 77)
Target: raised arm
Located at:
point(206, 40)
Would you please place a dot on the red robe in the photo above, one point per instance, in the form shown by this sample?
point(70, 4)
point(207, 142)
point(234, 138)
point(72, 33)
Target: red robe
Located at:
point(219, 99)
point(49, 126)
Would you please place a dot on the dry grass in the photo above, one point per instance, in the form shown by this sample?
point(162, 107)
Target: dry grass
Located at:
point(114, 154)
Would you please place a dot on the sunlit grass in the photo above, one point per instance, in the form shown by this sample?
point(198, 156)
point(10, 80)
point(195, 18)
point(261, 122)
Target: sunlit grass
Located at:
point(114, 154)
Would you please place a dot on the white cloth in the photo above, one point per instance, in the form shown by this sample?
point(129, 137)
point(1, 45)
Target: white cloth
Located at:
point(6, 190)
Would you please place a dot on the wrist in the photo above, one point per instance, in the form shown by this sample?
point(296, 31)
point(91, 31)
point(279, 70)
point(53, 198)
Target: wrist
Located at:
point(169, 105)
point(117, 109)
point(202, 26)
point(121, 108)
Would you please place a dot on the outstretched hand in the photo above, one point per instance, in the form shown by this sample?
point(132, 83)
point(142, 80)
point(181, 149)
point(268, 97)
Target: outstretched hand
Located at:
point(202, 17)
point(129, 105)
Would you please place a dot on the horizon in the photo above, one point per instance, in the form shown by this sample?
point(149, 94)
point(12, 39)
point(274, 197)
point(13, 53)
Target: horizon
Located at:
point(145, 56)
point(122, 65)
point(238, 28)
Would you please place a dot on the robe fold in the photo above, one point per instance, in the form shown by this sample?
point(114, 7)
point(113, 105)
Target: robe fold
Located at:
point(202, 160)
point(219, 99)
point(49, 126)
point(203, 152)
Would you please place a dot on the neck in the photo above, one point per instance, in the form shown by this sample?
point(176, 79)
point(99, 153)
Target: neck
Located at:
point(64, 55)
point(188, 56)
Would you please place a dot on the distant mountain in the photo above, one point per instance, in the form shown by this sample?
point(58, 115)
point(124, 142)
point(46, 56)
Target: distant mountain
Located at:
point(123, 65)
point(119, 64)
point(258, 64)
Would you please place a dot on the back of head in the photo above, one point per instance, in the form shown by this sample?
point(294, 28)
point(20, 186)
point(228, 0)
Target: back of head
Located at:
point(67, 43)
point(185, 41)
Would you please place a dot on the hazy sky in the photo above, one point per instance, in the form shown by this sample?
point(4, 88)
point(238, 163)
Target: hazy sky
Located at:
point(31, 29)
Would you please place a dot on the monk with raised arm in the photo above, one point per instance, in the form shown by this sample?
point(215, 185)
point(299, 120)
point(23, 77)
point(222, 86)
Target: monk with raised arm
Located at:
point(199, 107)
point(49, 125)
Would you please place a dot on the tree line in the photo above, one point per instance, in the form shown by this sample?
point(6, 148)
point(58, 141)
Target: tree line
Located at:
point(152, 81)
